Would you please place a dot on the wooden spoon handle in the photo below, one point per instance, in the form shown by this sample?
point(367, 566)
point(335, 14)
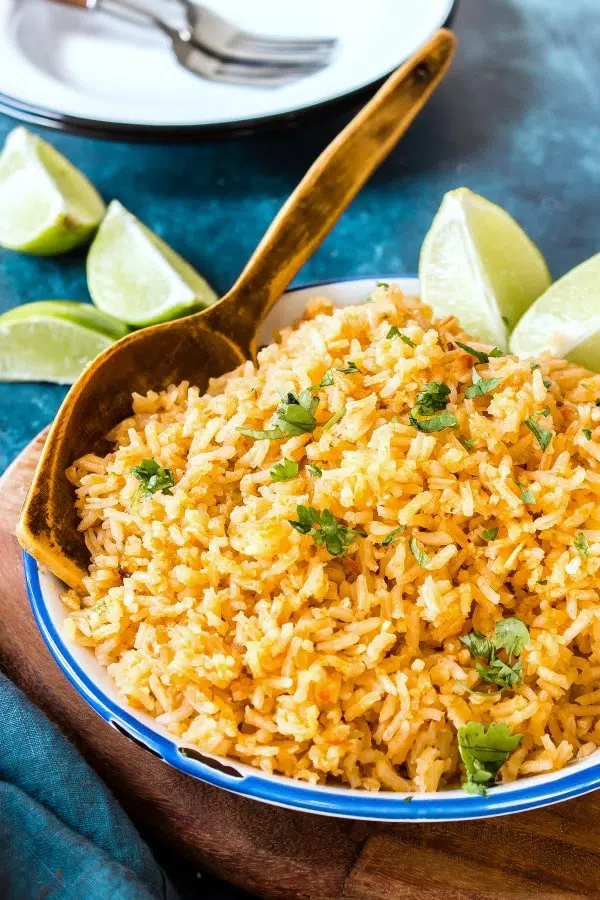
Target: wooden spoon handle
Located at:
point(84, 4)
point(326, 190)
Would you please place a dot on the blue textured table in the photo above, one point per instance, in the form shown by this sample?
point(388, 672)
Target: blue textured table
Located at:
point(517, 120)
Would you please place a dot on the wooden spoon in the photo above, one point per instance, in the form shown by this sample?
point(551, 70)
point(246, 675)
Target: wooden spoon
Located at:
point(218, 339)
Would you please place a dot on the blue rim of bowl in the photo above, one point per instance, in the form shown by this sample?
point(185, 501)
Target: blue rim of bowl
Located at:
point(519, 796)
point(123, 131)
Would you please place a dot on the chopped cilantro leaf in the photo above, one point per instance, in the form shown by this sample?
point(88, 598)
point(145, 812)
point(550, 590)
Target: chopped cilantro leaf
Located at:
point(152, 478)
point(588, 433)
point(490, 534)
point(581, 545)
point(326, 380)
point(511, 635)
point(421, 557)
point(325, 529)
point(351, 368)
point(527, 495)
point(315, 471)
point(393, 536)
point(335, 418)
point(597, 401)
point(466, 442)
point(432, 398)
point(533, 366)
point(479, 355)
point(483, 753)
point(382, 284)
point(478, 644)
point(435, 423)
point(543, 581)
point(481, 386)
point(395, 332)
point(542, 435)
point(547, 384)
point(285, 470)
point(293, 416)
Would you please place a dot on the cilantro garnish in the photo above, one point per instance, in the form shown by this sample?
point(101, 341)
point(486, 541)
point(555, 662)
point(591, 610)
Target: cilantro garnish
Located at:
point(284, 471)
point(393, 536)
point(547, 384)
point(152, 478)
point(542, 435)
point(588, 433)
point(293, 416)
point(419, 554)
point(466, 442)
point(382, 284)
point(597, 401)
point(432, 398)
point(527, 495)
point(480, 355)
point(350, 369)
point(325, 529)
point(534, 366)
point(510, 635)
point(315, 471)
point(335, 418)
point(395, 332)
point(483, 753)
point(435, 423)
point(490, 534)
point(326, 380)
point(481, 386)
point(581, 545)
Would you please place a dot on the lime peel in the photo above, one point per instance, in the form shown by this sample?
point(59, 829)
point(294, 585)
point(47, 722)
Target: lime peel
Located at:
point(478, 264)
point(135, 276)
point(47, 206)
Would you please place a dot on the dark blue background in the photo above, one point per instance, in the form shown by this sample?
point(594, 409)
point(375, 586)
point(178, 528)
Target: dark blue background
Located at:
point(517, 119)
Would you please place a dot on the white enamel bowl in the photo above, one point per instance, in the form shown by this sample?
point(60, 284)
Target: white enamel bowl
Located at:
point(80, 667)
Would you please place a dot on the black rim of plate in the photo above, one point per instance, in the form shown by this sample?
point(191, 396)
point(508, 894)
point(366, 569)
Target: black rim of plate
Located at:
point(121, 131)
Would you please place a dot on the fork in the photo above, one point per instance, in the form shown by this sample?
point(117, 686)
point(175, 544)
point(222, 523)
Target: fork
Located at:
point(224, 38)
point(200, 60)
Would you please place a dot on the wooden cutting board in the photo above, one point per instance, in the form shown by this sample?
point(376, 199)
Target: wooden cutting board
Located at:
point(280, 855)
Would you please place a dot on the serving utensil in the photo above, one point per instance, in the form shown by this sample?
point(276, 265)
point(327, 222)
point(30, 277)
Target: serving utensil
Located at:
point(200, 60)
point(223, 38)
point(221, 337)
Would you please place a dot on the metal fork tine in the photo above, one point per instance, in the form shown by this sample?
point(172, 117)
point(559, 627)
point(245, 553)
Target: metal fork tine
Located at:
point(315, 48)
point(289, 43)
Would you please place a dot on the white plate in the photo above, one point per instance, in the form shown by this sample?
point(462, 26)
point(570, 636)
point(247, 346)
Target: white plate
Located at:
point(69, 67)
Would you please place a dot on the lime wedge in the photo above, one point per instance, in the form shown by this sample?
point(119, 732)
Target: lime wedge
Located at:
point(478, 264)
point(53, 340)
point(46, 205)
point(565, 320)
point(135, 276)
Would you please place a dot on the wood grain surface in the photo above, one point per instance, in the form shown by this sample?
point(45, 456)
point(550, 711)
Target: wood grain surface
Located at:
point(280, 855)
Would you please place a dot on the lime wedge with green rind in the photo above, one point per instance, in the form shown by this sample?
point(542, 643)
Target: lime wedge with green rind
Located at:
point(478, 264)
point(134, 276)
point(46, 205)
point(565, 320)
point(52, 340)
point(79, 313)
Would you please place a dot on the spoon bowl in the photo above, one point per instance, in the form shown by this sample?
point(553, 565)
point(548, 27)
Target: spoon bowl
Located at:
point(221, 337)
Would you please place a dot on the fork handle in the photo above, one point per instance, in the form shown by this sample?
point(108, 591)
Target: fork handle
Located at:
point(326, 190)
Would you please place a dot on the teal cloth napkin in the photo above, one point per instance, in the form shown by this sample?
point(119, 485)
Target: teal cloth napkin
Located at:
point(62, 835)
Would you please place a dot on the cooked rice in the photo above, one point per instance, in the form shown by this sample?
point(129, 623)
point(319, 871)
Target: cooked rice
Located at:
point(244, 638)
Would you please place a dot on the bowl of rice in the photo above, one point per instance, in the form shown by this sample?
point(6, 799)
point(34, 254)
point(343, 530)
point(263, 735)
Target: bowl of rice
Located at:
point(357, 579)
